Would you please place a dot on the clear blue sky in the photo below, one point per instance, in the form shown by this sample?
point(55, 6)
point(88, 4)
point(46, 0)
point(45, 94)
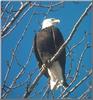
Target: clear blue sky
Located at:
point(68, 14)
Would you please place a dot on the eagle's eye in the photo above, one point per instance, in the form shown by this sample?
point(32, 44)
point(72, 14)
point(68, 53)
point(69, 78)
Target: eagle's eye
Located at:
point(53, 19)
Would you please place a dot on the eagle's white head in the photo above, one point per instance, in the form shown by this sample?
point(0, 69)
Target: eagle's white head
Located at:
point(50, 22)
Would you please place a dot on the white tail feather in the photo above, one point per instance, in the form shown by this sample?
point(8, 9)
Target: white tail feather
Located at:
point(55, 73)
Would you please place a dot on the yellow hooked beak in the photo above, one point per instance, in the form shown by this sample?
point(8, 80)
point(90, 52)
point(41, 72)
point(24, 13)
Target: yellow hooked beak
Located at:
point(56, 21)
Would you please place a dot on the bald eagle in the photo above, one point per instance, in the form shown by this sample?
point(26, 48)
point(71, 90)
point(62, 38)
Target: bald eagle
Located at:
point(46, 44)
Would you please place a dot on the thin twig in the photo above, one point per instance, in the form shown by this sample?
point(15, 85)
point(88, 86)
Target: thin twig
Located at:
point(24, 82)
point(14, 18)
point(5, 8)
point(52, 5)
point(18, 75)
point(85, 93)
point(14, 51)
point(45, 92)
point(77, 44)
point(23, 15)
point(77, 71)
point(56, 4)
point(71, 34)
point(78, 84)
point(30, 89)
point(8, 17)
point(70, 54)
point(10, 64)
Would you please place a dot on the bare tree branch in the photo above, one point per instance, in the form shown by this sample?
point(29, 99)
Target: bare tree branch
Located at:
point(71, 34)
point(8, 18)
point(5, 8)
point(45, 91)
point(16, 47)
point(77, 70)
point(78, 84)
point(51, 5)
point(18, 75)
point(30, 89)
point(85, 93)
point(13, 54)
point(77, 44)
point(14, 18)
point(24, 14)
point(70, 55)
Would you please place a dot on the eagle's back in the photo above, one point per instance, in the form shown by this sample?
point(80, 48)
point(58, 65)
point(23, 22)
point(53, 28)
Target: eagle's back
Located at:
point(47, 42)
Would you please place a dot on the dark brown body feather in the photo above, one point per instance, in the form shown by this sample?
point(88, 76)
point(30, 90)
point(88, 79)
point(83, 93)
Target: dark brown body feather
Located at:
point(46, 44)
